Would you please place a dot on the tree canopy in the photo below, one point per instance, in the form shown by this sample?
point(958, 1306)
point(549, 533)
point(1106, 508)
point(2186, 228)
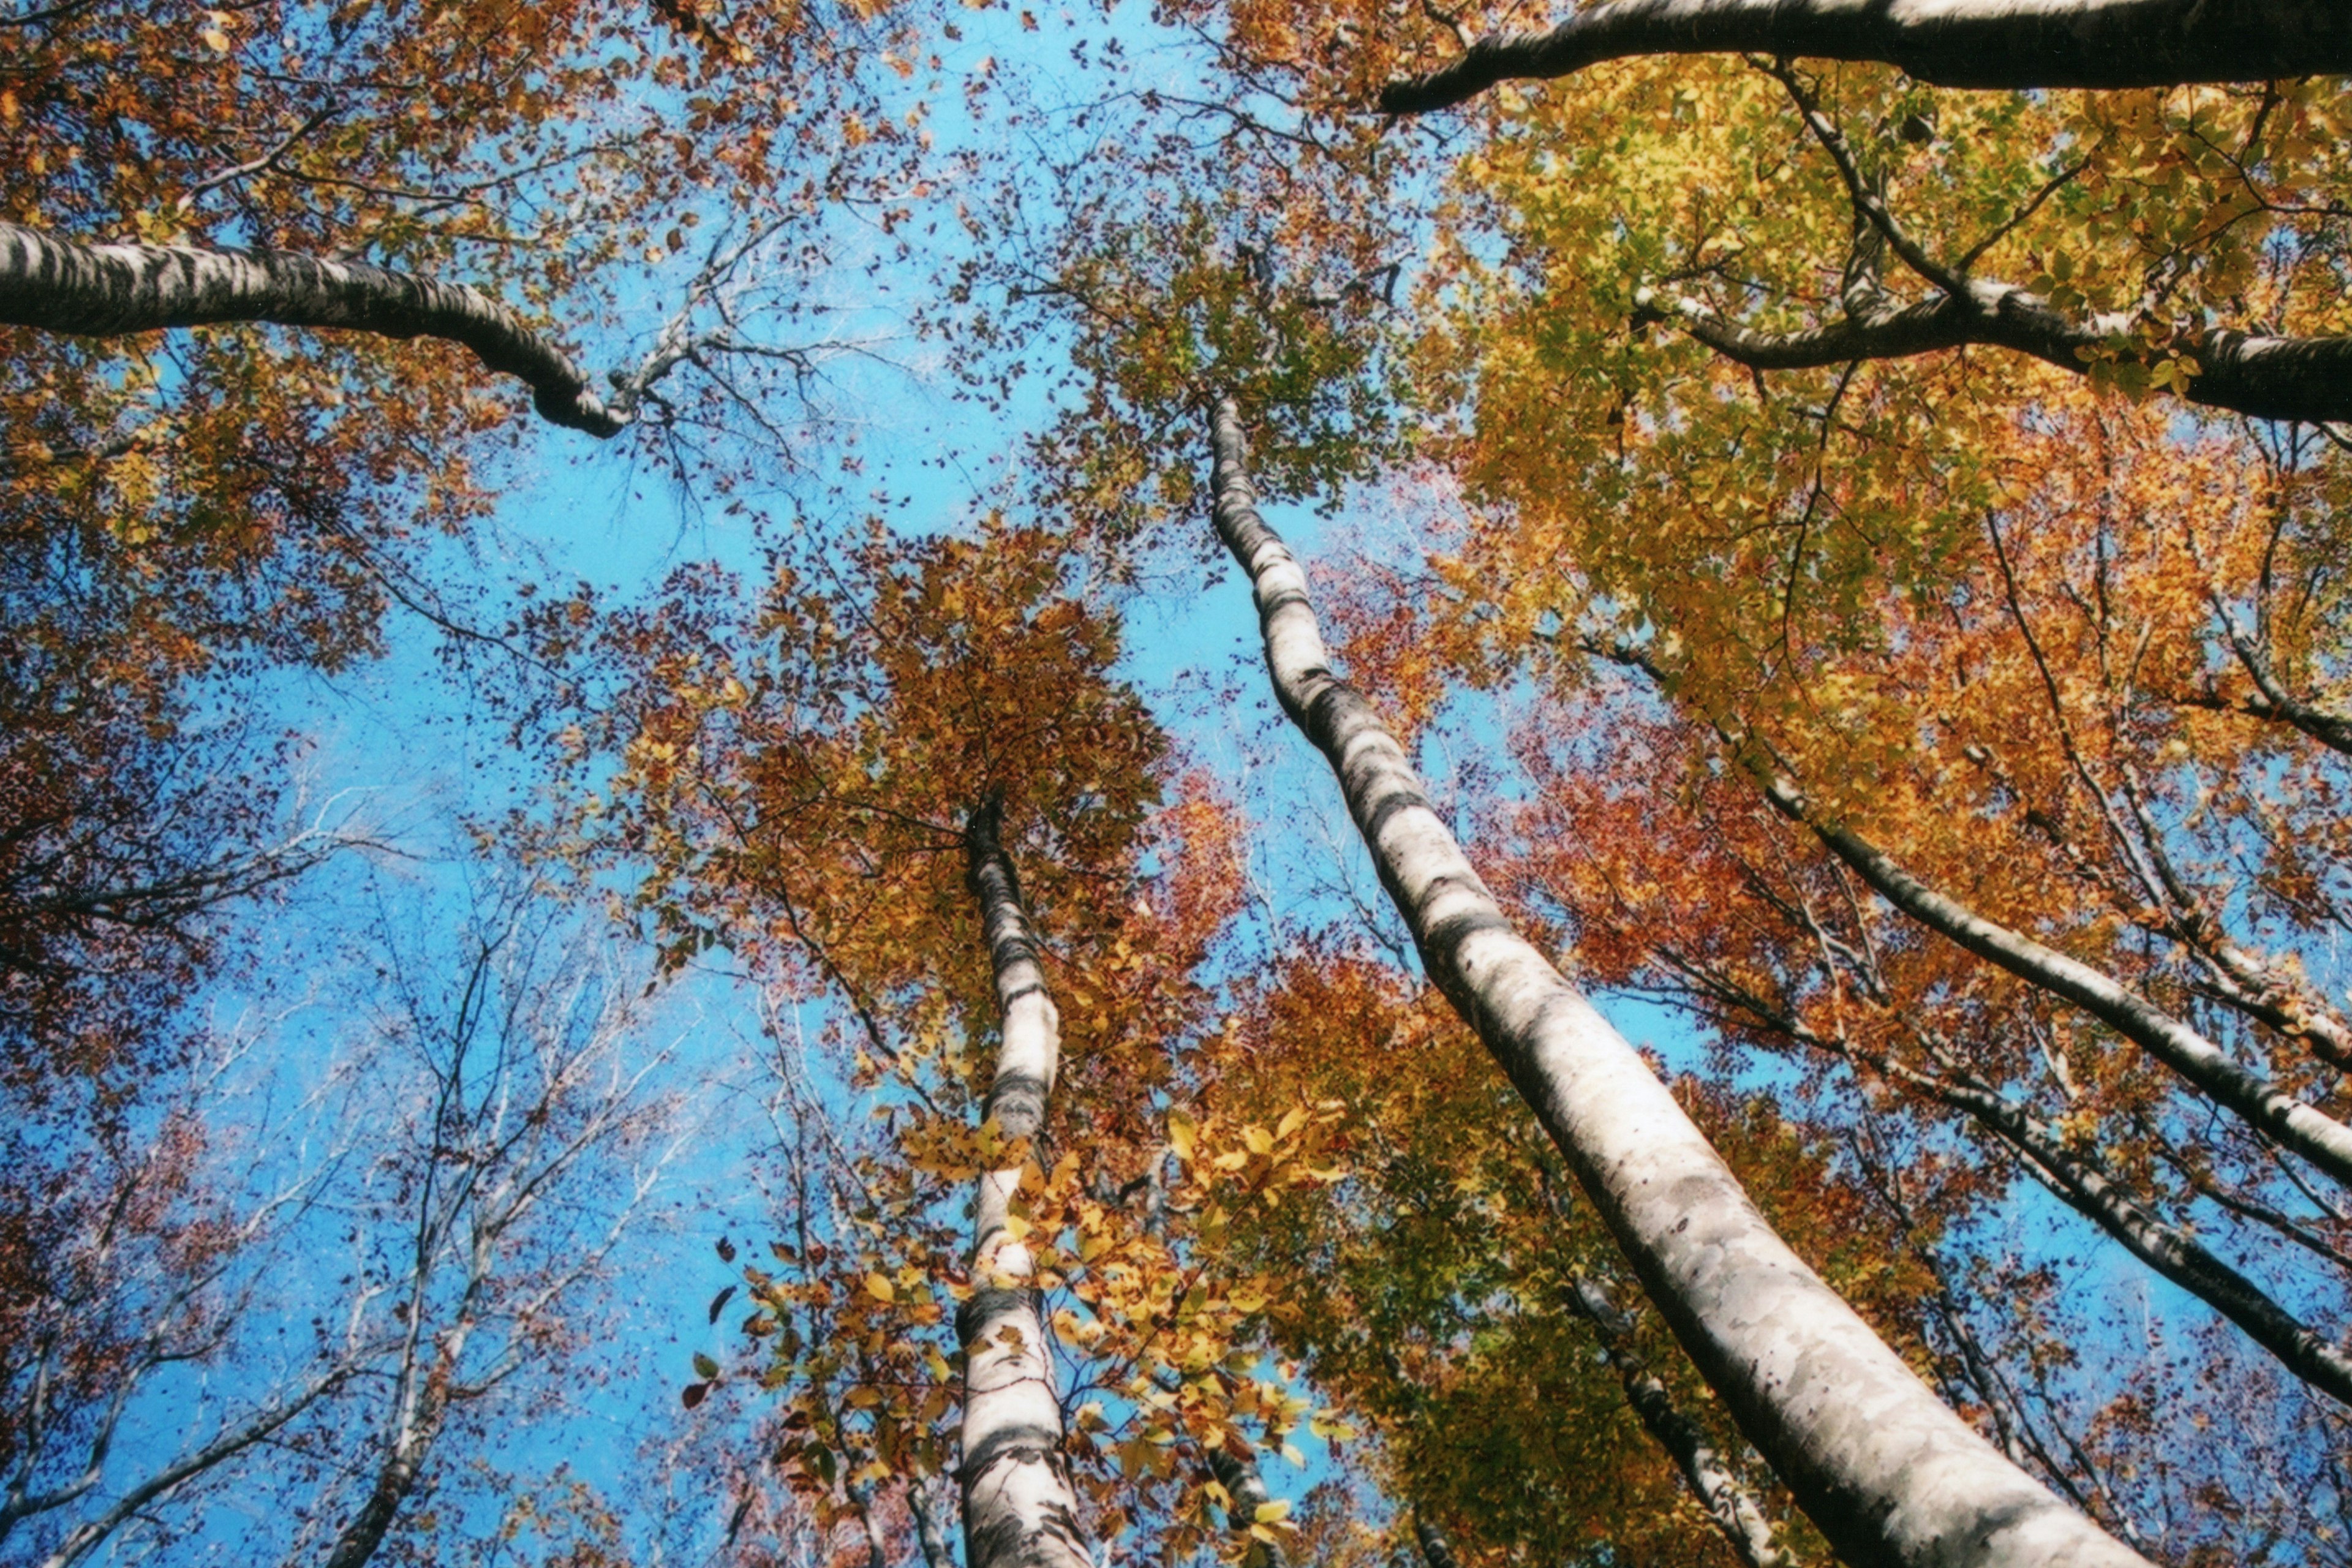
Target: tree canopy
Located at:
point(650, 694)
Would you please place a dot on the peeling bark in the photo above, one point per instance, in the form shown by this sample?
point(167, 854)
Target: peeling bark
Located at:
point(1889, 1474)
point(2013, 44)
point(107, 291)
point(1019, 1509)
point(2326, 1143)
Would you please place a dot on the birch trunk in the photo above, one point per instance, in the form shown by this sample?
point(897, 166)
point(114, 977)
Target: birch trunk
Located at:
point(1889, 1473)
point(1729, 1503)
point(2326, 1143)
point(2014, 43)
point(1019, 1510)
point(928, 1536)
point(1236, 1467)
point(104, 290)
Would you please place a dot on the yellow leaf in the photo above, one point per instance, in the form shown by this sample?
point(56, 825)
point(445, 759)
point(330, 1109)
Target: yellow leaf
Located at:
point(880, 1288)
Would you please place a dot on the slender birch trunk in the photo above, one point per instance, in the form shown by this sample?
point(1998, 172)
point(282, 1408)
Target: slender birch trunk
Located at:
point(2296, 1127)
point(1236, 1467)
point(1019, 1510)
point(1726, 1498)
point(929, 1537)
point(395, 1482)
point(1889, 1474)
point(1436, 1551)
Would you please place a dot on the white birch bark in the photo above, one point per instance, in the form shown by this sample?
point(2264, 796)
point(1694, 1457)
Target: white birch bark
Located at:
point(1019, 1510)
point(1953, 43)
point(930, 1536)
point(103, 290)
point(1888, 1472)
point(1734, 1508)
point(1236, 1467)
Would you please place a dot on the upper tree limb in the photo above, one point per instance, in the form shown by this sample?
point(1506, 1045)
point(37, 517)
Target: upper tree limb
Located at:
point(2012, 44)
point(103, 291)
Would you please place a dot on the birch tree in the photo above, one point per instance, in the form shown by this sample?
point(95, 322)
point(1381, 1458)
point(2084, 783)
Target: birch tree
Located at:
point(142, 1256)
point(2073, 642)
point(419, 1245)
point(522, 1080)
point(1463, 1307)
point(1018, 1504)
point(1919, 1484)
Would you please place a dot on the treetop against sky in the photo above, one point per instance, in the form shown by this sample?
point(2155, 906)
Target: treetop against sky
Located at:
point(624, 723)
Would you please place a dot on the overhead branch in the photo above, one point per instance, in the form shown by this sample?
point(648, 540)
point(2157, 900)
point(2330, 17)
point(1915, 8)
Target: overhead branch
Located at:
point(106, 291)
point(2308, 379)
point(2000, 44)
point(2077, 1177)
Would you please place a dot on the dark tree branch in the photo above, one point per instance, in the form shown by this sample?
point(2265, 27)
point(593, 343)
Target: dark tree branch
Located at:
point(2012, 44)
point(2308, 379)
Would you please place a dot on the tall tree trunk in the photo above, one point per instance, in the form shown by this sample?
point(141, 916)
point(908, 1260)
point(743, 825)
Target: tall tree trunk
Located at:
point(1953, 43)
point(1889, 1474)
point(395, 1481)
point(1019, 1510)
point(103, 291)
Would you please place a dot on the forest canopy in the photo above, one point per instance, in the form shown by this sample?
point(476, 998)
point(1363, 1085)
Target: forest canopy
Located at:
point(688, 875)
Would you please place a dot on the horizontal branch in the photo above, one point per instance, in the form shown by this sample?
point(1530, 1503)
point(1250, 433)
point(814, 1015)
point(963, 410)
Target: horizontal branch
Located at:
point(106, 291)
point(2308, 379)
point(2013, 44)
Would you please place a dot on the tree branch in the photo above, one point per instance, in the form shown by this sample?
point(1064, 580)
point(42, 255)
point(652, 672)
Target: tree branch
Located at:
point(105, 290)
point(2013, 44)
point(2308, 379)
